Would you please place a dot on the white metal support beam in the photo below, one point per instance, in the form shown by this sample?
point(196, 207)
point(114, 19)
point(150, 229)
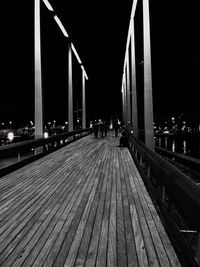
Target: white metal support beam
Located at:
point(133, 82)
point(128, 87)
point(38, 73)
point(83, 100)
point(70, 90)
point(148, 99)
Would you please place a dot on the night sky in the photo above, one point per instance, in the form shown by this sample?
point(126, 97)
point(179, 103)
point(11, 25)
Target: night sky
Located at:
point(98, 30)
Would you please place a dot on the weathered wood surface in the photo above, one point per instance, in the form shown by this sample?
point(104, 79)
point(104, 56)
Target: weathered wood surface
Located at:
point(83, 205)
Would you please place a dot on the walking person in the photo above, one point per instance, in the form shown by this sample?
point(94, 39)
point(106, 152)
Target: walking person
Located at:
point(102, 129)
point(96, 128)
point(116, 127)
point(105, 128)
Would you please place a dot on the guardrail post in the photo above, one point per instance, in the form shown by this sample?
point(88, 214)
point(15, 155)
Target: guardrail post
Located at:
point(135, 152)
point(148, 172)
point(198, 247)
point(18, 157)
point(163, 194)
point(140, 159)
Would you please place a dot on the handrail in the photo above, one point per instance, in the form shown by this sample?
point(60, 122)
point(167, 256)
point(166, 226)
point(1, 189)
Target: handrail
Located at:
point(182, 189)
point(187, 160)
point(175, 186)
point(41, 147)
point(21, 146)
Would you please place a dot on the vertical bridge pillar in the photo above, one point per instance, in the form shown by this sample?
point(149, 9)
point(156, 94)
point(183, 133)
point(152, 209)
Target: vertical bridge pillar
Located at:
point(83, 100)
point(133, 82)
point(148, 99)
point(128, 88)
point(38, 79)
point(70, 90)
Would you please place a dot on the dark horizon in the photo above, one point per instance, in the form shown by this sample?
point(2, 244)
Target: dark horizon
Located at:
point(99, 33)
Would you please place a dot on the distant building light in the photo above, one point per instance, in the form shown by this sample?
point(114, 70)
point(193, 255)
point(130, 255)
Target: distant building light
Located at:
point(46, 135)
point(10, 136)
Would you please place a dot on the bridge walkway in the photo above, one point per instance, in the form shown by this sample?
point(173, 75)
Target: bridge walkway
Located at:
point(83, 205)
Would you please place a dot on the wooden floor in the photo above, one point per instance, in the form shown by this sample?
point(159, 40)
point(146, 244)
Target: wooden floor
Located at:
point(83, 205)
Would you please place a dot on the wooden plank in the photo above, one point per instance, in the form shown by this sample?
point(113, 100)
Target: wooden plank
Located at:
point(103, 239)
point(112, 239)
point(70, 210)
point(158, 227)
point(162, 256)
point(47, 211)
point(121, 243)
point(146, 235)
point(96, 228)
point(54, 253)
point(83, 205)
point(100, 189)
point(157, 243)
point(140, 248)
point(132, 259)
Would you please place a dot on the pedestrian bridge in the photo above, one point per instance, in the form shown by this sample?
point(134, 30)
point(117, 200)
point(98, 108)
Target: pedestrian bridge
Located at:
point(75, 200)
point(82, 205)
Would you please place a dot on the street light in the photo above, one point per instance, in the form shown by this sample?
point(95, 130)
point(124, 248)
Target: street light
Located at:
point(76, 54)
point(48, 5)
point(85, 74)
point(61, 26)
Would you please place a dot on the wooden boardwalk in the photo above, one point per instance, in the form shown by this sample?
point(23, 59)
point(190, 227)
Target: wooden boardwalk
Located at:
point(83, 205)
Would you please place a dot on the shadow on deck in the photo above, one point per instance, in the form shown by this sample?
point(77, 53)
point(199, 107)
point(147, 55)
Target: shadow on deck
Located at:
point(83, 205)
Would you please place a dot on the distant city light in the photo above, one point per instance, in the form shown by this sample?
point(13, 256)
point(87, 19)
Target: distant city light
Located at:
point(61, 26)
point(10, 136)
point(48, 5)
point(46, 135)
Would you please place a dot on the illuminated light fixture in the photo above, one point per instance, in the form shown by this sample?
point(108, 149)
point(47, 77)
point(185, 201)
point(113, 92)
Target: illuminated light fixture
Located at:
point(76, 54)
point(86, 77)
point(10, 136)
point(61, 26)
point(48, 5)
point(46, 135)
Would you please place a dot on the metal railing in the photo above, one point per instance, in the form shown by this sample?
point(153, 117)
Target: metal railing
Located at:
point(172, 190)
point(186, 160)
point(36, 148)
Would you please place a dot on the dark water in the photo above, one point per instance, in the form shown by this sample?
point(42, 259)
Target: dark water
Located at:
point(184, 144)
